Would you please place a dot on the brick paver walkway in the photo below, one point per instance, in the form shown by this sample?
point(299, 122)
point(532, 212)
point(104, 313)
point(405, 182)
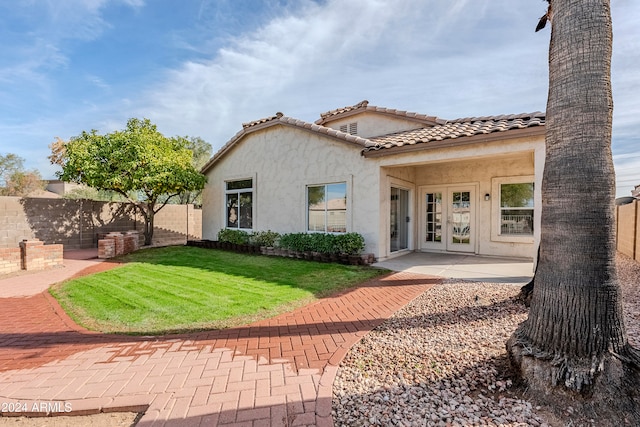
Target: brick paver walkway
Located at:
point(275, 372)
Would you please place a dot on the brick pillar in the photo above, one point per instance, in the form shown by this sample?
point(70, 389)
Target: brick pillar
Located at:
point(31, 254)
point(118, 240)
point(131, 241)
point(106, 248)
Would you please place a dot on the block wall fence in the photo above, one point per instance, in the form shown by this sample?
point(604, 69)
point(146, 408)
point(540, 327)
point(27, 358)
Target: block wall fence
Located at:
point(78, 224)
point(628, 229)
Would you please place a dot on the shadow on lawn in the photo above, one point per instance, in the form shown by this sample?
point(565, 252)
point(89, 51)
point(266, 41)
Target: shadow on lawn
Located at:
point(276, 270)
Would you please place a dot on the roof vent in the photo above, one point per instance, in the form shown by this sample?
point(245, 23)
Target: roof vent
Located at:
point(351, 128)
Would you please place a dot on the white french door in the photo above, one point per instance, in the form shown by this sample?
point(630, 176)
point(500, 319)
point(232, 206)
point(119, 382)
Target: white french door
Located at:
point(399, 219)
point(448, 218)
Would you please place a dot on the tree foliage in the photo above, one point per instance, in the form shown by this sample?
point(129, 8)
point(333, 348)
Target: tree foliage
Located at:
point(14, 180)
point(138, 163)
point(201, 152)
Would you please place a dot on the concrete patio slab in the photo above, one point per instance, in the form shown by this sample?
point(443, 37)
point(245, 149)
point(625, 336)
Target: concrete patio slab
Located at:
point(463, 266)
point(29, 283)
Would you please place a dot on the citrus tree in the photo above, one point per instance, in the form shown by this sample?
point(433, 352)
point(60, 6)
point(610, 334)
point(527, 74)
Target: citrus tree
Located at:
point(138, 162)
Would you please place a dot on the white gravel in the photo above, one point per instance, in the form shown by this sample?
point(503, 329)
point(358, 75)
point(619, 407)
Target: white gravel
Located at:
point(441, 360)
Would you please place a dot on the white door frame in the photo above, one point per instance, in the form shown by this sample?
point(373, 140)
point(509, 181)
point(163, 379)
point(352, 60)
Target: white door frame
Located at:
point(446, 244)
point(403, 185)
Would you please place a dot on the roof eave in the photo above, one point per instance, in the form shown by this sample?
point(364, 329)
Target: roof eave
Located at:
point(304, 126)
point(405, 115)
point(455, 142)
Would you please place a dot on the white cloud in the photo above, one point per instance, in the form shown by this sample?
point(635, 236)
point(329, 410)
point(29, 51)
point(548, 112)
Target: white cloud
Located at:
point(452, 59)
point(400, 54)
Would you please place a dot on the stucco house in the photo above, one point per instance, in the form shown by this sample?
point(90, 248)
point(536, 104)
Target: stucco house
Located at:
point(405, 181)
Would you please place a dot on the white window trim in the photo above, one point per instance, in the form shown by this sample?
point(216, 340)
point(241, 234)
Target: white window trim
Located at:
point(332, 180)
point(225, 192)
point(495, 209)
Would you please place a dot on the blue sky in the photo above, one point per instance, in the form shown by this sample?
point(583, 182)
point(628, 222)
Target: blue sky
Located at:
point(203, 67)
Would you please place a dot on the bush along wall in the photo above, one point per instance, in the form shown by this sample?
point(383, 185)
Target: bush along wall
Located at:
point(344, 248)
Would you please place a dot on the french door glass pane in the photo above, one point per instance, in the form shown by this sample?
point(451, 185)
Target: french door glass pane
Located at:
point(434, 217)
point(461, 217)
point(399, 216)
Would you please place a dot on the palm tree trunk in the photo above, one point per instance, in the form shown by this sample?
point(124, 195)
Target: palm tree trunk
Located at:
point(575, 336)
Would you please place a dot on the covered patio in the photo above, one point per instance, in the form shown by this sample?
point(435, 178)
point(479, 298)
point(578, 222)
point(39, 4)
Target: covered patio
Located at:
point(463, 266)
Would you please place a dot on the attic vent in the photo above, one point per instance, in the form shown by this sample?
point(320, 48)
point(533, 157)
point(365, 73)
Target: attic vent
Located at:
point(351, 128)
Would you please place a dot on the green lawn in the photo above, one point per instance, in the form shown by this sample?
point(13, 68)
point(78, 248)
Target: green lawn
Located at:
point(180, 289)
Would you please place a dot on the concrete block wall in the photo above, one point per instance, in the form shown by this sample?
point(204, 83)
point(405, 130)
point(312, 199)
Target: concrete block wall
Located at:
point(79, 224)
point(14, 226)
point(628, 230)
point(175, 224)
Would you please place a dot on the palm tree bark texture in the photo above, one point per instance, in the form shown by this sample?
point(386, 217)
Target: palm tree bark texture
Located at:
point(573, 344)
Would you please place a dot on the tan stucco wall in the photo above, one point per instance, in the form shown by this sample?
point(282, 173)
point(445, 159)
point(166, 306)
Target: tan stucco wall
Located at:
point(471, 164)
point(283, 161)
point(372, 124)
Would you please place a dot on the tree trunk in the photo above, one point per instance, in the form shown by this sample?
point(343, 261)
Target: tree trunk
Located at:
point(148, 214)
point(148, 229)
point(574, 342)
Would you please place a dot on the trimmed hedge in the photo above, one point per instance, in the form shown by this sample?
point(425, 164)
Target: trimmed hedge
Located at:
point(348, 243)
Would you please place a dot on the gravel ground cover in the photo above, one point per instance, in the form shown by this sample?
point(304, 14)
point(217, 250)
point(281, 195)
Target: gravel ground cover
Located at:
point(441, 361)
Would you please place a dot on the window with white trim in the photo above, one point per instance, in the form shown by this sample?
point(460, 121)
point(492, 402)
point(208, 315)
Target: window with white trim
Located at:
point(327, 208)
point(516, 209)
point(239, 204)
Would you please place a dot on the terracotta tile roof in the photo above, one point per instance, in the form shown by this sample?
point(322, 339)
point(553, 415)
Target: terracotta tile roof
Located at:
point(458, 128)
point(364, 106)
point(440, 131)
point(264, 120)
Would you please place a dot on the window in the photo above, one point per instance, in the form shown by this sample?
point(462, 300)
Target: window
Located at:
point(239, 204)
point(516, 209)
point(327, 208)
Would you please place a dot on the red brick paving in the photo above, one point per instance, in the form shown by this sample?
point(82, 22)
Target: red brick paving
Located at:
point(275, 372)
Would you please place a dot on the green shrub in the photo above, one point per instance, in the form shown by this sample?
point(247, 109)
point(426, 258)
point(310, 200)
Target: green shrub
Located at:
point(238, 237)
point(323, 243)
point(298, 242)
point(349, 243)
point(264, 238)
